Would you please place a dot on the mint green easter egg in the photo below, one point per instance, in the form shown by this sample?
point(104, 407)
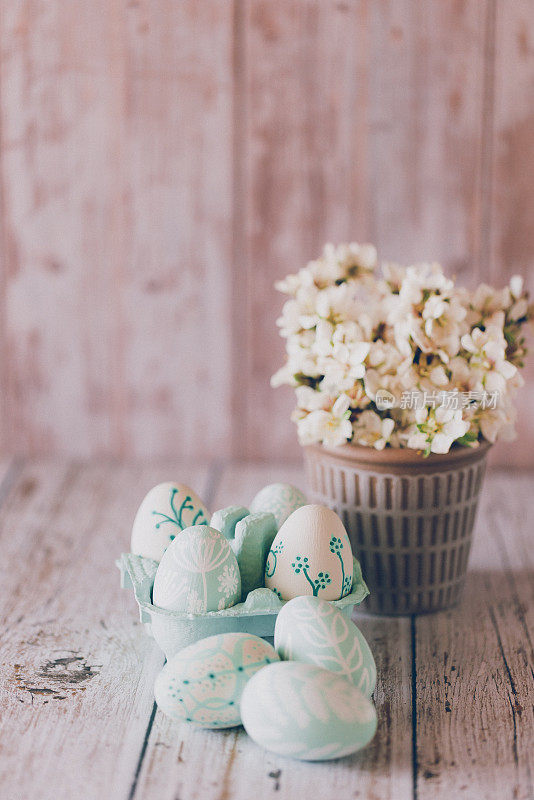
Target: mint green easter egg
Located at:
point(280, 499)
point(306, 712)
point(197, 573)
point(314, 631)
point(204, 682)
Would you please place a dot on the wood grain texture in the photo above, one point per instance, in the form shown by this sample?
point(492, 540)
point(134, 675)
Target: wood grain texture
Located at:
point(163, 163)
point(76, 667)
point(305, 175)
point(426, 76)
point(60, 78)
point(475, 715)
point(197, 765)
point(188, 763)
point(76, 670)
point(177, 162)
point(511, 196)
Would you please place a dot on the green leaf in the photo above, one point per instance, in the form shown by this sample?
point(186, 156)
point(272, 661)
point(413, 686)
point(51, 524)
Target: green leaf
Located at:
point(509, 336)
point(467, 438)
point(306, 380)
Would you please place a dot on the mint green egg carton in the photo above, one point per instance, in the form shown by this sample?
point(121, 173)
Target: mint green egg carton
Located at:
point(173, 630)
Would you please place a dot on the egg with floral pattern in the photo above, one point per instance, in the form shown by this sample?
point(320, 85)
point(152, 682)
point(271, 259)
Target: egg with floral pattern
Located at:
point(167, 510)
point(204, 682)
point(198, 573)
point(279, 499)
point(310, 555)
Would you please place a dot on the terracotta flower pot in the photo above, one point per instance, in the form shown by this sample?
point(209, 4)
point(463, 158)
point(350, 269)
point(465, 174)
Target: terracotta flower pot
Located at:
point(410, 519)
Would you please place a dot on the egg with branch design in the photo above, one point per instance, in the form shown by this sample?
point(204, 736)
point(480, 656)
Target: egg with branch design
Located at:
point(310, 555)
point(198, 573)
point(314, 631)
point(167, 510)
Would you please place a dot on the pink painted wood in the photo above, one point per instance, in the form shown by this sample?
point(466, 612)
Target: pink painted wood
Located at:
point(163, 163)
point(511, 201)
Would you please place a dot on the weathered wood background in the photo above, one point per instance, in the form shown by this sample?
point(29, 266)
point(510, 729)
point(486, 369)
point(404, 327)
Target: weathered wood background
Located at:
point(163, 162)
point(77, 718)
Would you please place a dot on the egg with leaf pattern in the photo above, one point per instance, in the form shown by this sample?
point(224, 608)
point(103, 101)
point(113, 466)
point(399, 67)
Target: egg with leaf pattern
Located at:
point(166, 510)
point(314, 631)
point(305, 712)
point(310, 555)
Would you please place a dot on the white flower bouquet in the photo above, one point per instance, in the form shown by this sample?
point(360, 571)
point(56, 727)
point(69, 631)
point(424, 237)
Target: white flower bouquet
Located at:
point(404, 358)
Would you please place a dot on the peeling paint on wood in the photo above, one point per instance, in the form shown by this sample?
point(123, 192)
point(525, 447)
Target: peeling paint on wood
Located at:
point(77, 719)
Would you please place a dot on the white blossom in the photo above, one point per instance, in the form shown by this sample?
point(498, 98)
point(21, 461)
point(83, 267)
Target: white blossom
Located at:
point(373, 431)
point(354, 337)
point(332, 428)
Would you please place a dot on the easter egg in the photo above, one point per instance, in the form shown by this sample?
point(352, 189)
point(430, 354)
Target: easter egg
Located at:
point(314, 631)
point(198, 573)
point(167, 510)
point(311, 554)
point(281, 499)
point(306, 712)
point(204, 682)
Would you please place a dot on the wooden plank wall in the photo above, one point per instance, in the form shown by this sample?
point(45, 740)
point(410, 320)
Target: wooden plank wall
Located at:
point(163, 163)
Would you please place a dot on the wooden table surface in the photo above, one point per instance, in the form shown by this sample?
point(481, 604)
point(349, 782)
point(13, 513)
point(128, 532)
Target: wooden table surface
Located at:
point(77, 719)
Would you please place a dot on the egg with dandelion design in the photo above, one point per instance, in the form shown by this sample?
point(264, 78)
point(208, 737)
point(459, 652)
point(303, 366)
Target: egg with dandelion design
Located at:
point(198, 573)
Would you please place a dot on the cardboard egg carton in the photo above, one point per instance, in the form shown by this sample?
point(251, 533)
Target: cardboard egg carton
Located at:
point(174, 630)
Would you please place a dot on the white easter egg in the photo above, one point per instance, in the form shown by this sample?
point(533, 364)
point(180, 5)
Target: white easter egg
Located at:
point(204, 682)
point(167, 510)
point(306, 712)
point(311, 554)
point(314, 631)
point(198, 573)
point(280, 499)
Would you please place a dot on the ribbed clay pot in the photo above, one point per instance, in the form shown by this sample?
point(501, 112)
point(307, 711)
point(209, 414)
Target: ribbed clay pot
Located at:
point(410, 519)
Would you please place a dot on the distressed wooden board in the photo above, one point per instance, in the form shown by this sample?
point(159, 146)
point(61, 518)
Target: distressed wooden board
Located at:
point(116, 195)
point(511, 201)
point(426, 68)
point(193, 764)
point(187, 763)
point(61, 85)
point(163, 163)
point(304, 179)
point(475, 710)
point(512, 197)
point(175, 279)
point(76, 668)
